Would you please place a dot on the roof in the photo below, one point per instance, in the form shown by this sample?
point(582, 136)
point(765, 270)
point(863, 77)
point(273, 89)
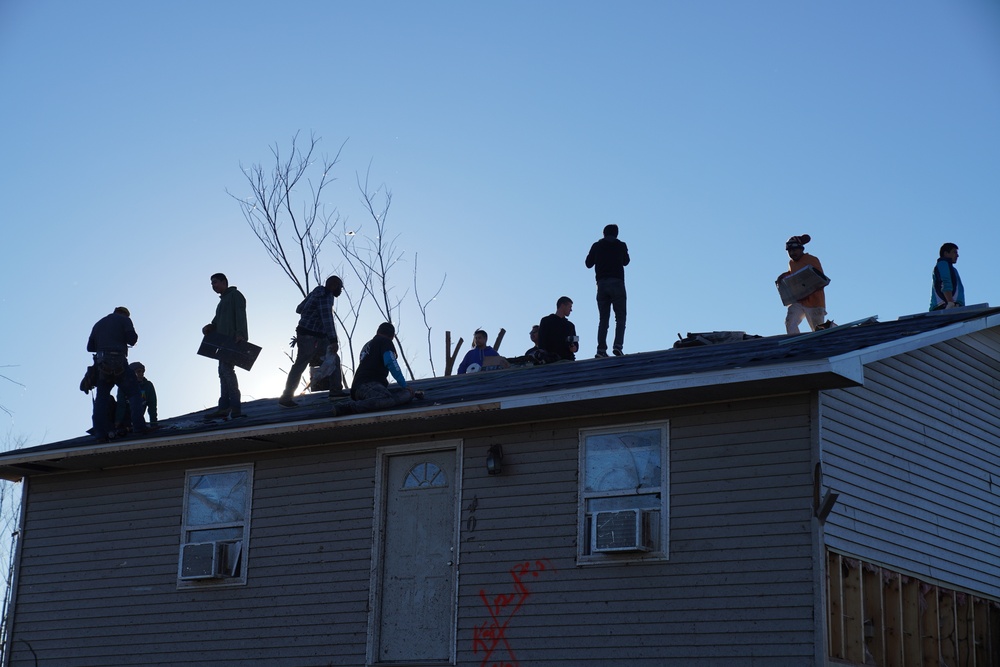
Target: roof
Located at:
point(759, 366)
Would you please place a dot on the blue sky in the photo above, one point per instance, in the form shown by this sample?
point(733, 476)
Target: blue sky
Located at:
point(509, 134)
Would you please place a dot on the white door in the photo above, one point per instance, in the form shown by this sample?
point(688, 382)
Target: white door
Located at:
point(415, 581)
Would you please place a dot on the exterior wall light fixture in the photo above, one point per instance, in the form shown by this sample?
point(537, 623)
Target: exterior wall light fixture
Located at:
point(494, 460)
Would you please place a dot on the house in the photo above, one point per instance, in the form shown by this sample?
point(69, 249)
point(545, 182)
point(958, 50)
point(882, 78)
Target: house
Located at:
point(828, 498)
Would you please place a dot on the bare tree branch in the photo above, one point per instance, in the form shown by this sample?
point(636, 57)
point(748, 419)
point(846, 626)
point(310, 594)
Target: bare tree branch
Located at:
point(376, 259)
point(422, 305)
point(292, 223)
point(292, 239)
point(12, 381)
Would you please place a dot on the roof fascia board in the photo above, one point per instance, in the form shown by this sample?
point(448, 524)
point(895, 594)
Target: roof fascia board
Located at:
point(261, 431)
point(849, 369)
point(910, 343)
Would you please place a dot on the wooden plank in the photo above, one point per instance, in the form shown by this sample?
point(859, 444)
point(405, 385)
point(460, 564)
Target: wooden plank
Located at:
point(930, 628)
point(966, 629)
point(853, 612)
point(835, 604)
point(874, 614)
point(948, 626)
point(994, 624)
point(894, 623)
point(987, 632)
point(913, 647)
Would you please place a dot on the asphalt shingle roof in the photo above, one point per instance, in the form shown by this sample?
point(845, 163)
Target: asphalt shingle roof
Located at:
point(458, 390)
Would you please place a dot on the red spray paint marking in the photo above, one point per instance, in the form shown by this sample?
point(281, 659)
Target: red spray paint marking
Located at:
point(502, 609)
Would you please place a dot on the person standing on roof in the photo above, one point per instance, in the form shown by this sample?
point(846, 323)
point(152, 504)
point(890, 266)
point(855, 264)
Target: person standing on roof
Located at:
point(315, 334)
point(110, 340)
point(557, 339)
point(609, 257)
point(813, 307)
point(947, 290)
point(370, 389)
point(230, 320)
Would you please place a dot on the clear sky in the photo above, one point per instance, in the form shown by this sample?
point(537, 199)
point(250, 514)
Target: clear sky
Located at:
point(509, 134)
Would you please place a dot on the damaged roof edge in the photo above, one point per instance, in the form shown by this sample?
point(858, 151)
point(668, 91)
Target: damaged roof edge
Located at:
point(850, 370)
point(910, 343)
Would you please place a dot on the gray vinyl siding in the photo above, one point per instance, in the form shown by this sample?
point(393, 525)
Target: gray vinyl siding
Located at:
point(915, 456)
point(98, 582)
point(737, 589)
point(99, 585)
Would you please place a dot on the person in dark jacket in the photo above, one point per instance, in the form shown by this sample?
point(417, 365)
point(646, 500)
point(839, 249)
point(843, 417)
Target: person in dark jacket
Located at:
point(230, 320)
point(370, 389)
point(109, 340)
point(147, 394)
point(609, 257)
point(557, 339)
point(315, 333)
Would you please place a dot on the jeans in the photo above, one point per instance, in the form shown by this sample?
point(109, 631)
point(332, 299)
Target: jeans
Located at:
point(229, 397)
point(372, 396)
point(610, 293)
point(306, 348)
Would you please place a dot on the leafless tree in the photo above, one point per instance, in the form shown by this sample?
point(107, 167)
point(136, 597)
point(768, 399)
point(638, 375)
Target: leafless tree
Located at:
point(292, 236)
point(10, 519)
point(422, 305)
point(372, 258)
point(13, 381)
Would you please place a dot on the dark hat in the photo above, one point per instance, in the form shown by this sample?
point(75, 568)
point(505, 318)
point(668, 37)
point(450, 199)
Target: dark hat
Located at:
point(797, 241)
point(122, 310)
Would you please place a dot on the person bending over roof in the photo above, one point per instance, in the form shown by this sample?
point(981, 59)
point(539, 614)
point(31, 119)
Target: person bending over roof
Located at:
point(370, 389)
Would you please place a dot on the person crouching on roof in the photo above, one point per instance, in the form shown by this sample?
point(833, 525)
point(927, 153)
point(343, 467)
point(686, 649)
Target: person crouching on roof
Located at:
point(477, 355)
point(370, 389)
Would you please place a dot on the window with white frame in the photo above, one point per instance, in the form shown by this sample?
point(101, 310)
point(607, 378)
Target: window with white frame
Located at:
point(215, 529)
point(623, 493)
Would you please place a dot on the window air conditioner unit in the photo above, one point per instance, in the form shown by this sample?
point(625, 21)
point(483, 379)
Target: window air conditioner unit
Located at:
point(620, 531)
point(202, 560)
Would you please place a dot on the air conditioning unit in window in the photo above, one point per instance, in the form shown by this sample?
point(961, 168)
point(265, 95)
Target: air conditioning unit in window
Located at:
point(202, 560)
point(620, 531)
point(210, 560)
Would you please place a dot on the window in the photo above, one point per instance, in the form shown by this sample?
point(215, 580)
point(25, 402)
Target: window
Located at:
point(623, 493)
point(215, 527)
point(424, 476)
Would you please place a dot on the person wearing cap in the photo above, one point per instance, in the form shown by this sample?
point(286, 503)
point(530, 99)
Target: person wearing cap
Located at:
point(477, 355)
point(230, 320)
point(609, 257)
point(147, 392)
point(370, 389)
point(947, 290)
point(812, 308)
point(109, 341)
point(315, 334)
